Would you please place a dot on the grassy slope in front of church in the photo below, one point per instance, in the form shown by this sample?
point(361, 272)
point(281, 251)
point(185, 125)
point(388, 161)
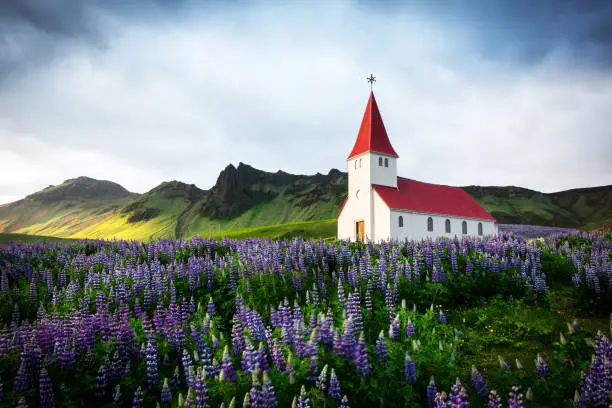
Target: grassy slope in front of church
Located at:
point(309, 230)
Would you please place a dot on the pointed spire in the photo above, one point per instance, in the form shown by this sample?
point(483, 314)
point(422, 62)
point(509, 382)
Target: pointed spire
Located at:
point(372, 134)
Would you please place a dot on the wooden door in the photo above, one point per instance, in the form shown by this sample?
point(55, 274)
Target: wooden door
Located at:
point(360, 229)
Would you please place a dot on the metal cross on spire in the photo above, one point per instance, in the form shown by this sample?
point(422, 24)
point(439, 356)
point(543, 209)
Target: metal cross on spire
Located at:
point(371, 79)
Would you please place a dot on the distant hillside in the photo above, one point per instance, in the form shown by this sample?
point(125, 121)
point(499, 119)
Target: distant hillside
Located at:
point(245, 199)
point(587, 208)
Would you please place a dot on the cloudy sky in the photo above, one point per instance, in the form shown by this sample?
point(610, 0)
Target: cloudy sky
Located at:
point(480, 92)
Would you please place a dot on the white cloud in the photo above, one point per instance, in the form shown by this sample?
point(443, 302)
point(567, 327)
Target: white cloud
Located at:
point(286, 89)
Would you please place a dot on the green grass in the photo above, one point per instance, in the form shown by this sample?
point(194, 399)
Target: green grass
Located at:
point(308, 230)
point(144, 231)
point(10, 238)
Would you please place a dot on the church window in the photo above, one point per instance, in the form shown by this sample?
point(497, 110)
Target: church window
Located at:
point(464, 227)
point(355, 163)
point(480, 228)
point(430, 224)
point(380, 161)
point(386, 162)
point(359, 163)
point(401, 221)
point(447, 226)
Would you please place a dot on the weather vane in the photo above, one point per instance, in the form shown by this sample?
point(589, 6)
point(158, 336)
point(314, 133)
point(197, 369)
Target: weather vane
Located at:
point(371, 79)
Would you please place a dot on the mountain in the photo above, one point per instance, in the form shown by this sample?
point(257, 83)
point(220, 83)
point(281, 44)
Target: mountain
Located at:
point(244, 197)
point(65, 210)
point(80, 189)
point(588, 208)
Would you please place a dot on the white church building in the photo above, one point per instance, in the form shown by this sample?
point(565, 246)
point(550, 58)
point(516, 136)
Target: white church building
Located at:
point(381, 206)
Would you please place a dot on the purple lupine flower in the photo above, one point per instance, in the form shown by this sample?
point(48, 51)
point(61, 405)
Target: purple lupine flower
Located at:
point(347, 341)
point(597, 383)
point(187, 365)
point(46, 390)
point(344, 403)
point(190, 401)
point(262, 358)
point(394, 328)
point(410, 370)
point(542, 368)
point(441, 400)
point(249, 358)
point(302, 401)
point(137, 401)
point(431, 392)
point(176, 378)
point(458, 396)
point(277, 356)
point(267, 395)
point(410, 331)
point(321, 381)
point(334, 385)
point(101, 381)
point(238, 343)
point(494, 400)
point(362, 365)
point(516, 399)
point(255, 398)
point(479, 383)
point(381, 347)
point(166, 394)
point(201, 389)
point(442, 318)
point(313, 365)
point(353, 309)
point(151, 358)
point(502, 363)
point(211, 307)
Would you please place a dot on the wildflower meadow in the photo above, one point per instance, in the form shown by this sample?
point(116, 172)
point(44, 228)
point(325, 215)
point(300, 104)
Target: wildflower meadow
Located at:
point(494, 322)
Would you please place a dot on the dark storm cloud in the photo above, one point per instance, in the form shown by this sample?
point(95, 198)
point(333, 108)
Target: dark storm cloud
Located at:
point(518, 31)
point(35, 32)
point(61, 18)
point(522, 31)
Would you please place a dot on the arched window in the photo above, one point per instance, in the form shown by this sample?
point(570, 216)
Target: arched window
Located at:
point(386, 162)
point(480, 228)
point(355, 163)
point(359, 163)
point(430, 224)
point(447, 226)
point(464, 227)
point(380, 161)
point(400, 221)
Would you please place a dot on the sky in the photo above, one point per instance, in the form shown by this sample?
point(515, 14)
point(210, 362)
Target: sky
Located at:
point(472, 93)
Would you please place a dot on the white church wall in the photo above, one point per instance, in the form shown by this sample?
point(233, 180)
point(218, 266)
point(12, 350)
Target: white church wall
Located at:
point(359, 173)
point(415, 226)
point(358, 205)
point(382, 217)
point(381, 175)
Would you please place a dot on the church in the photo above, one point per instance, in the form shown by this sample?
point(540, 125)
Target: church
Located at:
point(382, 206)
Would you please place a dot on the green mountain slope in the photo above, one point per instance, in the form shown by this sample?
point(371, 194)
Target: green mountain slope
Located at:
point(248, 201)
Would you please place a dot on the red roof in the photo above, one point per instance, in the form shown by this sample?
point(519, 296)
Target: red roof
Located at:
point(417, 196)
point(372, 134)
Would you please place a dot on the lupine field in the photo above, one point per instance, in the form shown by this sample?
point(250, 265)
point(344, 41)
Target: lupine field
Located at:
point(496, 322)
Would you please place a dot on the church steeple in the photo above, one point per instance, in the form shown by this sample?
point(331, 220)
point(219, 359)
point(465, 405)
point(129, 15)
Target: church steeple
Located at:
point(372, 135)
